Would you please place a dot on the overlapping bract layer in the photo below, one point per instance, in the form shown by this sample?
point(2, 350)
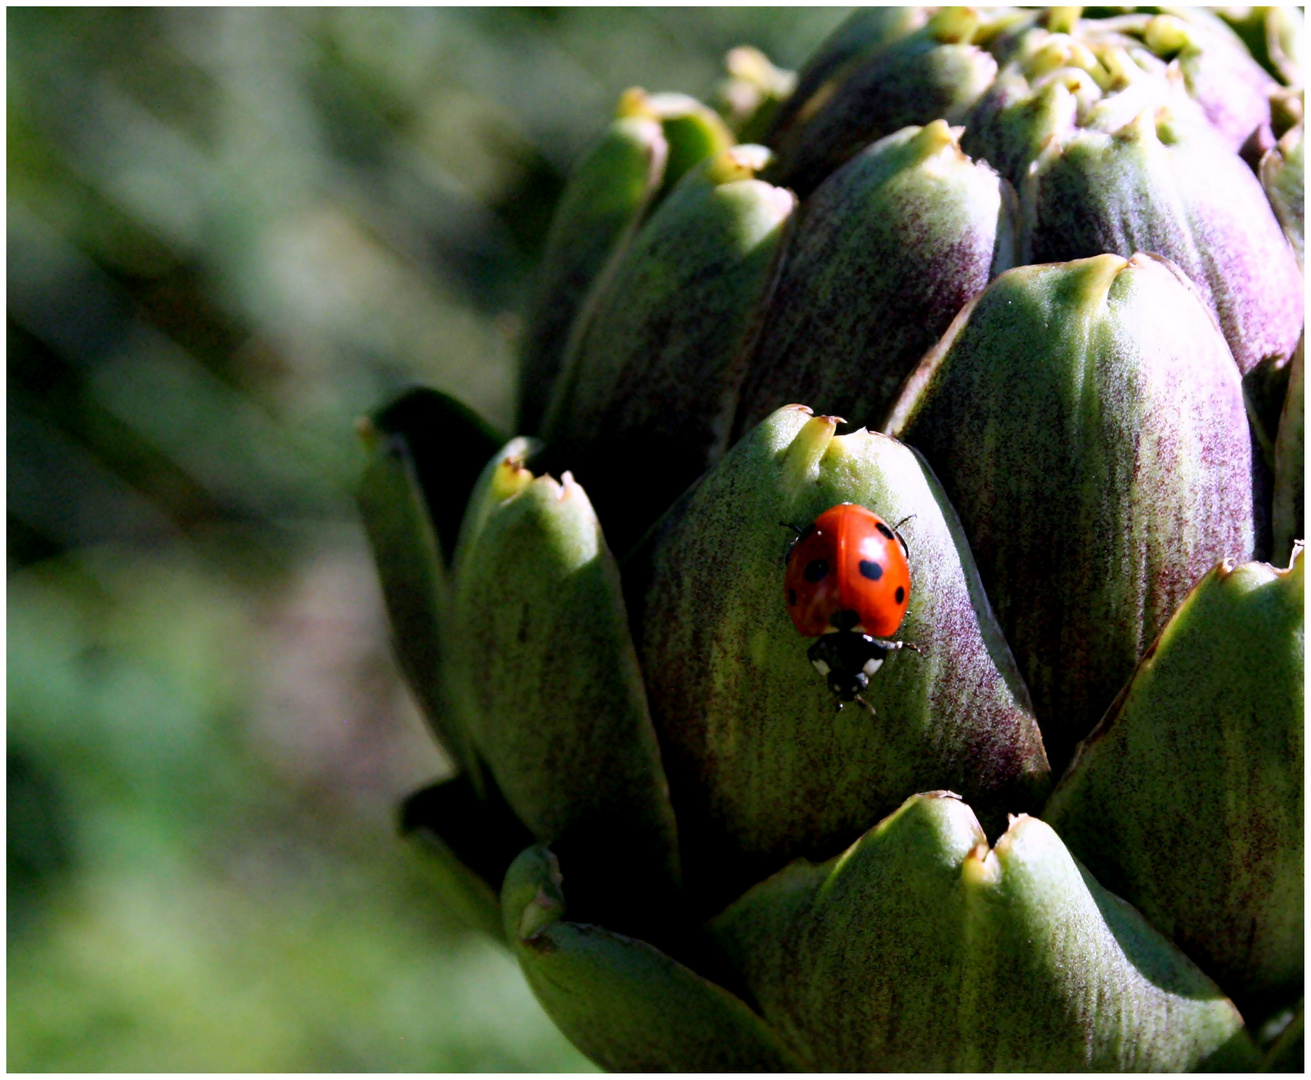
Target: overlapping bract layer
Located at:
point(1078, 444)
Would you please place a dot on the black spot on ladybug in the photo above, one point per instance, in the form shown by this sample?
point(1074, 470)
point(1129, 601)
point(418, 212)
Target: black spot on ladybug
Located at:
point(871, 570)
point(816, 569)
point(792, 597)
point(901, 595)
point(883, 529)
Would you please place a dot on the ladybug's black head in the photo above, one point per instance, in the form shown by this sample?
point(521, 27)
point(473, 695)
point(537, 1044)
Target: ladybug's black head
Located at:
point(847, 659)
point(847, 684)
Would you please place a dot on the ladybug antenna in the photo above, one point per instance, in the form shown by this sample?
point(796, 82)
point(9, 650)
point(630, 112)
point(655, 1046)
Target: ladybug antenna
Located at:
point(901, 539)
point(867, 705)
point(792, 540)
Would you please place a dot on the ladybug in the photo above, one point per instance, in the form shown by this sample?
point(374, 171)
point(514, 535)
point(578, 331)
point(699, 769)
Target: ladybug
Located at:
point(847, 583)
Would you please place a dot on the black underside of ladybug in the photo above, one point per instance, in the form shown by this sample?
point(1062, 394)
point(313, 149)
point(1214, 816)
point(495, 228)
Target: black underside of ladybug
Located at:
point(847, 659)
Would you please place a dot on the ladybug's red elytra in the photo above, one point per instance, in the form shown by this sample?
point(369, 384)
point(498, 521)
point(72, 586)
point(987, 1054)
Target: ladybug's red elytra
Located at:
point(848, 583)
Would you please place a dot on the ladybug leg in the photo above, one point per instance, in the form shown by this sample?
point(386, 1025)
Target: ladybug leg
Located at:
point(891, 646)
point(867, 705)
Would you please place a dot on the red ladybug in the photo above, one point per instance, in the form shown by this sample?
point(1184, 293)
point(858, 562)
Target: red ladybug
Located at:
point(848, 584)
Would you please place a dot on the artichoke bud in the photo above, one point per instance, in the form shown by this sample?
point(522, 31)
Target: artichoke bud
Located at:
point(552, 696)
point(1043, 968)
point(423, 452)
point(1171, 189)
point(653, 383)
point(753, 92)
point(693, 130)
point(890, 248)
point(933, 73)
point(762, 766)
point(606, 196)
point(624, 1003)
point(1088, 424)
point(1188, 797)
point(1289, 519)
point(1283, 175)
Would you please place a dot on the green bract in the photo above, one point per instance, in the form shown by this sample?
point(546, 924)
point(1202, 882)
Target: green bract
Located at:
point(891, 246)
point(1088, 424)
point(1048, 267)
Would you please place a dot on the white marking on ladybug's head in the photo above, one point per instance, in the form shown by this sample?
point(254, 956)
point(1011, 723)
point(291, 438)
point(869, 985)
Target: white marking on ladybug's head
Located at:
point(872, 665)
point(821, 666)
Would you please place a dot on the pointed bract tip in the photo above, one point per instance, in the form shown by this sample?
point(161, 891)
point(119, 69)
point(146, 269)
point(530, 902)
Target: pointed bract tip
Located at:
point(510, 478)
point(980, 867)
point(635, 102)
point(738, 163)
point(1092, 278)
point(954, 25)
point(540, 912)
point(803, 454)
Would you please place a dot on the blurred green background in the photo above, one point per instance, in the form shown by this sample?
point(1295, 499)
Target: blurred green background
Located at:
point(231, 232)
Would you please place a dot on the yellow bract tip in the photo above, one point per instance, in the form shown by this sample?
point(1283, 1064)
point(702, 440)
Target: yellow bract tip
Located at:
point(635, 102)
point(737, 163)
point(510, 478)
point(981, 867)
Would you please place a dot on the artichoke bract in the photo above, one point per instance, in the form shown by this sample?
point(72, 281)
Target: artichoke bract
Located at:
point(551, 696)
point(1188, 801)
point(412, 443)
point(931, 73)
point(1283, 175)
point(862, 35)
point(656, 139)
point(761, 768)
point(1289, 519)
point(608, 190)
point(970, 958)
point(753, 725)
point(892, 246)
point(646, 398)
point(1157, 187)
point(1218, 72)
point(1088, 425)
